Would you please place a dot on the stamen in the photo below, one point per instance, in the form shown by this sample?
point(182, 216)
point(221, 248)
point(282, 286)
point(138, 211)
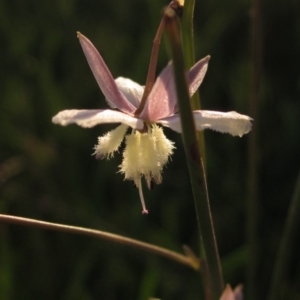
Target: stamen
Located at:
point(109, 143)
point(139, 186)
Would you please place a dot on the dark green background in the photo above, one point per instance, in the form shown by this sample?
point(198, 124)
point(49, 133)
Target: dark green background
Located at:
point(47, 171)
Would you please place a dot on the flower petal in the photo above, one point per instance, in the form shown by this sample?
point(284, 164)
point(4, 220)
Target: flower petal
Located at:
point(162, 98)
point(197, 73)
point(162, 101)
point(227, 294)
point(103, 76)
point(238, 292)
point(230, 122)
point(132, 91)
point(90, 118)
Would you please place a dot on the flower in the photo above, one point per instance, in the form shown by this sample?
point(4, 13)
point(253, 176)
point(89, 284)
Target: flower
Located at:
point(229, 294)
point(147, 149)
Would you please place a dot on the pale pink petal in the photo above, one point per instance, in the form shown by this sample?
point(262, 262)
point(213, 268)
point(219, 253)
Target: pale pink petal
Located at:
point(162, 101)
point(172, 122)
point(196, 74)
point(238, 292)
point(103, 77)
point(227, 294)
point(162, 98)
point(230, 122)
point(90, 118)
point(132, 91)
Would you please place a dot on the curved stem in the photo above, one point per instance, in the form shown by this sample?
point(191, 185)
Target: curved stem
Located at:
point(184, 260)
point(140, 188)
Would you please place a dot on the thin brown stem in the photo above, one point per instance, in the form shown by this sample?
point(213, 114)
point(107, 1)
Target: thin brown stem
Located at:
point(179, 258)
point(153, 59)
point(152, 67)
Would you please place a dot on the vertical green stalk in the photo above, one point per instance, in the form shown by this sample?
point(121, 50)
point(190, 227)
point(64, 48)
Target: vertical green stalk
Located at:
point(253, 155)
point(194, 160)
point(284, 254)
point(187, 34)
point(187, 28)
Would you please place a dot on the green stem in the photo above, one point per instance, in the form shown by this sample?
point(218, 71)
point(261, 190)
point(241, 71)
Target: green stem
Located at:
point(194, 160)
point(253, 152)
point(187, 30)
point(185, 260)
point(284, 254)
point(187, 35)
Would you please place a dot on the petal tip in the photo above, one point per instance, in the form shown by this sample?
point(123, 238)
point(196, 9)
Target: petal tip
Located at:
point(53, 120)
point(56, 119)
point(207, 57)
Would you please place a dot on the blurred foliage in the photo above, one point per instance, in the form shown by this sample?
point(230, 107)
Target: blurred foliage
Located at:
point(48, 172)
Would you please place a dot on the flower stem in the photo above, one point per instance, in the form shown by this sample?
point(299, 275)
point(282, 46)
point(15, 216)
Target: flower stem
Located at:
point(194, 160)
point(179, 258)
point(153, 60)
point(253, 153)
point(284, 253)
point(187, 36)
point(152, 67)
point(187, 30)
point(188, 33)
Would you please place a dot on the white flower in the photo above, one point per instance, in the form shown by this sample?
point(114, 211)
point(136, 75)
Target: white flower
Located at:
point(147, 149)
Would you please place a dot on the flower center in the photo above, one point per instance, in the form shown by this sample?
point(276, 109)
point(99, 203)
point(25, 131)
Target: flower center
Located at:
point(145, 154)
point(110, 142)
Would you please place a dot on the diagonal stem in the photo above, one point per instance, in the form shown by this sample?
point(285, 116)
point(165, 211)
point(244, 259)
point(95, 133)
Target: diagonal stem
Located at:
point(187, 35)
point(153, 60)
point(152, 67)
point(194, 160)
point(187, 29)
point(184, 260)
